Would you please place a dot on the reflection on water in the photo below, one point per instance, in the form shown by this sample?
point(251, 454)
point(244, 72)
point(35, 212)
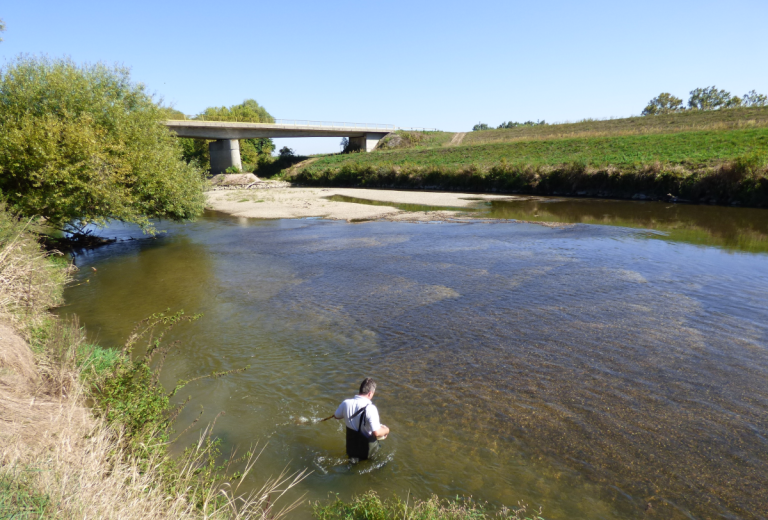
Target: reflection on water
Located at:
point(587, 369)
point(739, 229)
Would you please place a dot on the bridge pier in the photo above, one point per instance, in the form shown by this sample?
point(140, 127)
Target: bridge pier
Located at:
point(366, 142)
point(224, 154)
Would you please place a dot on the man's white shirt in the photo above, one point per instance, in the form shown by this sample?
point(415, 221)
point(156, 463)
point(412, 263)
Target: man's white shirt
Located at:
point(348, 408)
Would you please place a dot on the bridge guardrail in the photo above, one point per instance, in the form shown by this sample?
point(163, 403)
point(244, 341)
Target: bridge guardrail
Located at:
point(329, 124)
point(334, 124)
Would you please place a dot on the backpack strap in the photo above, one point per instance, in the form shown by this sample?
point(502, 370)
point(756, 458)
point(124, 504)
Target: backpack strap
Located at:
point(362, 417)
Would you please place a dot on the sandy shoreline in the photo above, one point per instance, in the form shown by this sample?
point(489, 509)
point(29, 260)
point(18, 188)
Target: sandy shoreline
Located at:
point(312, 202)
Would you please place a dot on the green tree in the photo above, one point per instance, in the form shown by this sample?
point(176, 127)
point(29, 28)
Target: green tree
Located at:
point(480, 126)
point(82, 145)
point(753, 99)
point(251, 150)
point(710, 98)
point(2, 28)
point(664, 103)
point(249, 111)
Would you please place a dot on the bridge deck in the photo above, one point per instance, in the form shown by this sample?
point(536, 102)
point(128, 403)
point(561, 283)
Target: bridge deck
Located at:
point(227, 130)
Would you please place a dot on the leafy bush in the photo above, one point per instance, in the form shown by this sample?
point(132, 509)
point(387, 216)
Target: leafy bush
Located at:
point(664, 103)
point(82, 145)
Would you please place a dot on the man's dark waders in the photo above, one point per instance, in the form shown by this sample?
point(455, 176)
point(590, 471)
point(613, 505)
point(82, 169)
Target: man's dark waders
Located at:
point(359, 445)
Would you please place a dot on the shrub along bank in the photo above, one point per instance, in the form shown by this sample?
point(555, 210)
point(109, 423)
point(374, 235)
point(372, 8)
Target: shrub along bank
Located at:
point(726, 167)
point(59, 458)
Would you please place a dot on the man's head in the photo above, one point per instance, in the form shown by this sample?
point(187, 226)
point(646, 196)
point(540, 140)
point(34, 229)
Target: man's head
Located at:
point(368, 386)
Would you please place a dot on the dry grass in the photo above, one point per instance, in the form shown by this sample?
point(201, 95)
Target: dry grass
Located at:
point(56, 459)
point(30, 283)
point(77, 463)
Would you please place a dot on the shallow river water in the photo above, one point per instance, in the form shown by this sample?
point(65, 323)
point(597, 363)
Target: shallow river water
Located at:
point(588, 369)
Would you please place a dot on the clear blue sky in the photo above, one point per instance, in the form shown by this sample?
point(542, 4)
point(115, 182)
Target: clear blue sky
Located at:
point(442, 64)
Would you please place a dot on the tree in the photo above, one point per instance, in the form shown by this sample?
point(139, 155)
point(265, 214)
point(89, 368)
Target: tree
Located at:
point(664, 103)
point(286, 152)
point(251, 150)
point(82, 145)
point(753, 99)
point(515, 124)
point(480, 126)
point(2, 28)
point(249, 111)
point(344, 143)
point(710, 98)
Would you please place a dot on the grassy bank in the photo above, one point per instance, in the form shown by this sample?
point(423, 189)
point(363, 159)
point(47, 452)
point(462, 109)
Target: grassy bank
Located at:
point(110, 459)
point(371, 507)
point(723, 166)
point(688, 121)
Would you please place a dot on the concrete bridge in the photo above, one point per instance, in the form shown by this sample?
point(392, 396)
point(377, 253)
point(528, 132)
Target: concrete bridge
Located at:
point(225, 150)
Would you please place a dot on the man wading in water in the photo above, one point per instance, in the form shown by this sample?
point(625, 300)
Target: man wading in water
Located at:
point(362, 419)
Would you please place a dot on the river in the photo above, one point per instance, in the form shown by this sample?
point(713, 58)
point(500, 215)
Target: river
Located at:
point(612, 368)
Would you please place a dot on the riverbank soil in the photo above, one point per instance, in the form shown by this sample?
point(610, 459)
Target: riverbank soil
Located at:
point(313, 202)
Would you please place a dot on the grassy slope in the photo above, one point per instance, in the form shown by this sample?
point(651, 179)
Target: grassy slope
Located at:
point(671, 123)
point(720, 156)
point(689, 147)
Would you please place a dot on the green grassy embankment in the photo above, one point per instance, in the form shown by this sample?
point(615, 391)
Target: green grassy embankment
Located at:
point(703, 157)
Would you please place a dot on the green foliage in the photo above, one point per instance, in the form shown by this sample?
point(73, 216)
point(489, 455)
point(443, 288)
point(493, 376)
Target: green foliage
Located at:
point(480, 126)
point(2, 27)
point(252, 149)
point(753, 99)
point(710, 98)
point(249, 111)
point(370, 507)
point(130, 397)
point(268, 166)
point(196, 152)
point(17, 501)
point(172, 114)
point(233, 169)
point(82, 145)
point(286, 152)
point(664, 103)
point(515, 124)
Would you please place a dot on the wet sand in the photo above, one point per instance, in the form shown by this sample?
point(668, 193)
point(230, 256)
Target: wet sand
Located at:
point(312, 202)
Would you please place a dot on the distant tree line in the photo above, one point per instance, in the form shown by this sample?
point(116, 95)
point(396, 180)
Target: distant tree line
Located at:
point(707, 98)
point(252, 151)
point(507, 124)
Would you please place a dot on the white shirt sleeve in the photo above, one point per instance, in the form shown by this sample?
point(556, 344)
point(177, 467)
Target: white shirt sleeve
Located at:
point(372, 414)
point(340, 411)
